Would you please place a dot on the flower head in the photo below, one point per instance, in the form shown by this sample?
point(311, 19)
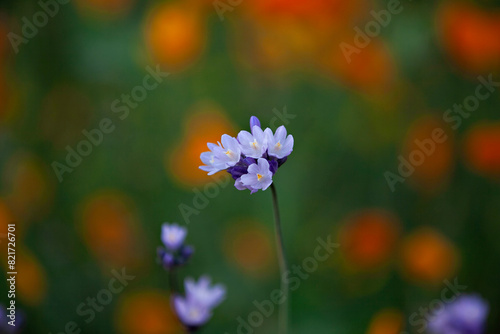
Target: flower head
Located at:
point(173, 235)
point(175, 252)
point(251, 159)
point(195, 309)
point(466, 315)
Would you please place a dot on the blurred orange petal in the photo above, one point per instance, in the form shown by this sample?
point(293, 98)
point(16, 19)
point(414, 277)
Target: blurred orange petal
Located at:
point(428, 257)
point(470, 35)
point(482, 148)
point(175, 34)
point(368, 238)
point(287, 35)
point(146, 312)
point(328, 15)
point(206, 124)
point(111, 229)
point(437, 152)
point(30, 186)
point(248, 245)
point(372, 70)
point(387, 321)
point(31, 281)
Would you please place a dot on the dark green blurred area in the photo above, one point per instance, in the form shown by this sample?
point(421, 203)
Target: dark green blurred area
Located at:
point(349, 130)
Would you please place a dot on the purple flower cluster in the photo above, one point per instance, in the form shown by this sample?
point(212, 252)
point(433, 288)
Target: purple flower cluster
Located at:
point(252, 158)
point(195, 309)
point(174, 253)
point(466, 315)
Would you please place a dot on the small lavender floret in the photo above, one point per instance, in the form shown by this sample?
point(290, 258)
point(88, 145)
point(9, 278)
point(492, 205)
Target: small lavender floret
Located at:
point(254, 144)
point(173, 235)
point(259, 176)
point(168, 261)
point(279, 145)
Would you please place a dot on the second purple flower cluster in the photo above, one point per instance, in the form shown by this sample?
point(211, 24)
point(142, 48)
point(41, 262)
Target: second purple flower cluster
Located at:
point(252, 159)
point(195, 308)
point(175, 253)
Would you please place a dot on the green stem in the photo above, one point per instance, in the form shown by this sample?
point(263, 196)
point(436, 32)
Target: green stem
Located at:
point(283, 311)
point(172, 277)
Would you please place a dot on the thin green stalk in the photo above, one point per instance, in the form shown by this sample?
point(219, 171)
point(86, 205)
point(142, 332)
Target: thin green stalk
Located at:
point(283, 310)
point(172, 277)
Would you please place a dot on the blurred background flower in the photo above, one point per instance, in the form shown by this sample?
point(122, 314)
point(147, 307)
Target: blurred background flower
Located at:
point(369, 238)
point(147, 312)
point(111, 230)
point(248, 245)
point(387, 321)
point(428, 257)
